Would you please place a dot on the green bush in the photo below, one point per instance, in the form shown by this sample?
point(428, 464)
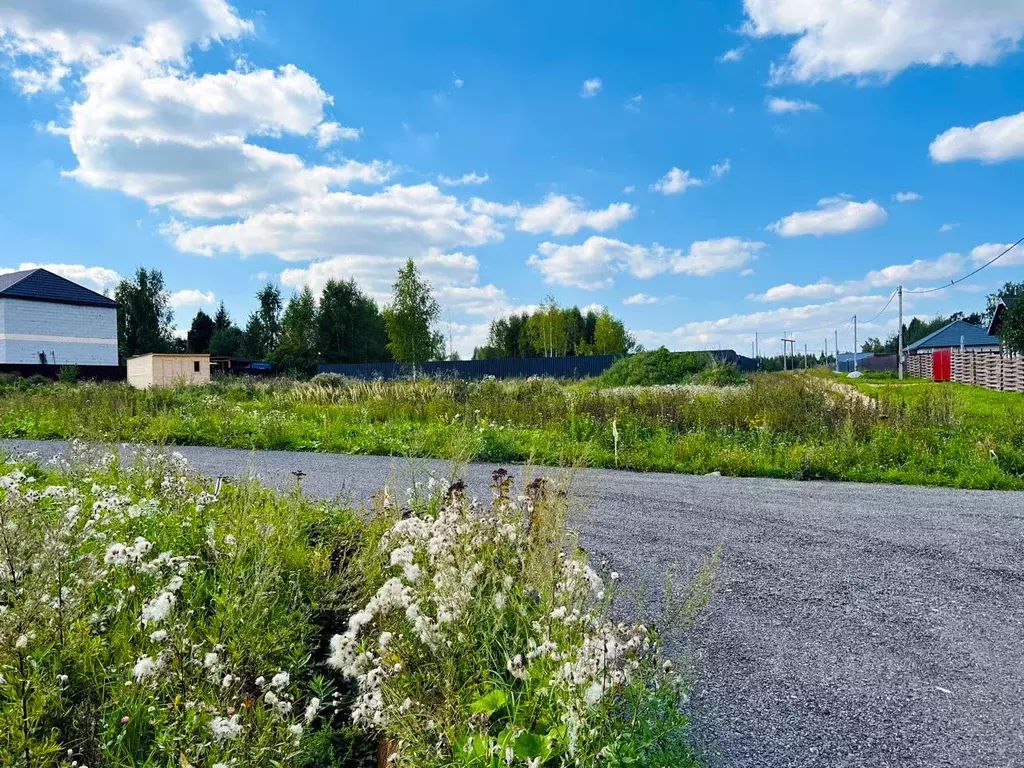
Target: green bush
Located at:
point(156, 619)
point(719, 375)
point(68, 374)
point(657, 366)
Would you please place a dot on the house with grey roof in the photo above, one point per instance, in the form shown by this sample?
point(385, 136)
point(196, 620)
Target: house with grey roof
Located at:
point(957, 334)
point(48, 320)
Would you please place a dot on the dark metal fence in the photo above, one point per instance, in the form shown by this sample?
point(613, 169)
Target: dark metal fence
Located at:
point(577, 367)
point(504, 368)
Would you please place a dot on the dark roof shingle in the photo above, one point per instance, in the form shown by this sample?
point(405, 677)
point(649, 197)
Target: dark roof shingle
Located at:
point(42, 285)
point(949, 336)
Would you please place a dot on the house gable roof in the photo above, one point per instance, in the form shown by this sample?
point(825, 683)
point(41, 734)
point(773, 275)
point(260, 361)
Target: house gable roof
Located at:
point(949, 336)
point(997, 319)
point(42, 285)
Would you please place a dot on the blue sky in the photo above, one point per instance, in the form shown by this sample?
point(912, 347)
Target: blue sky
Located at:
point(705, 170)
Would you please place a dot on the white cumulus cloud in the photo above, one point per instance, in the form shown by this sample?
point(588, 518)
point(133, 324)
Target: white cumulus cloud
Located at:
point(561, 215)
point(595, 262)
point(706, 257)
point(985, 252)
point(401, 221)
point(917, 272)
point(640, 298)
point(675, 182)
point(872, 38)
point(59, 32)
point(192, 297)
point(906, 197)
point(991, 142)
point(329, 132)
point(834, 215)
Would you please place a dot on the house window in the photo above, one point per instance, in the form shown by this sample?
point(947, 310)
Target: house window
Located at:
point(195, 366)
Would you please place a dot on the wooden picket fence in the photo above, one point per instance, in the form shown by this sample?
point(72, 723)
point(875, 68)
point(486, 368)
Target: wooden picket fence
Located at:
point(919, 365)
point(991, 370)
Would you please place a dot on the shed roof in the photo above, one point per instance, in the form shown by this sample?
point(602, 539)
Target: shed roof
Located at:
point(170, 354)
point(949, 336)
point(42, 285)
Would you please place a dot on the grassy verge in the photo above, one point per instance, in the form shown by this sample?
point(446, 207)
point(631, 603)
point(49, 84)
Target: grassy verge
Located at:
point(791, 426)
point(151, 618)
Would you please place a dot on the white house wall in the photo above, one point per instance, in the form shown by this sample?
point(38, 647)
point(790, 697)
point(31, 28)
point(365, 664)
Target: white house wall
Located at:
point(67, 333)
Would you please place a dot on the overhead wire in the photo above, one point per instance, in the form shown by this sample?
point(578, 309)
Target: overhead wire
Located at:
point(951, 283)
point(988, 263)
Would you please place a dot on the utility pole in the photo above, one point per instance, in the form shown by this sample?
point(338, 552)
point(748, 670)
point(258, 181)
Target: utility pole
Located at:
point(757, 350)
point(899, 356)
point(826, 350)
point(805, 355)
point(792, 352)
point(855, 343)
point(836, 332)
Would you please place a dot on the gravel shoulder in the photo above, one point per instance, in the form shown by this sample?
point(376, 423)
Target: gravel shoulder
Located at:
point(851, 625)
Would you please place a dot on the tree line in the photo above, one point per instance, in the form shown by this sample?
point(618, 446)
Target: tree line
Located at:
point(554, 331)
point(344, 325)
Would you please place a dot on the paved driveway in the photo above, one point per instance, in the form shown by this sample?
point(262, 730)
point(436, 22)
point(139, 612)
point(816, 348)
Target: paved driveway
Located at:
point(851, 625)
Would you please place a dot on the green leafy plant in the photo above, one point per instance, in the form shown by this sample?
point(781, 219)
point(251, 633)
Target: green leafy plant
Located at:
point(488, 640)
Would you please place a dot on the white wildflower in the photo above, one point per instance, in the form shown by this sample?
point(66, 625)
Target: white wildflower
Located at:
point(117, 554)
point(280, 680)
point(156, 610)
point(224, 728)
point(144, 667)
point(312, 709)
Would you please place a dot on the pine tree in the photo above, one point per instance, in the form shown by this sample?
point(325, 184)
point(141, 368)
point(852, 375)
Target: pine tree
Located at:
point(199, 335)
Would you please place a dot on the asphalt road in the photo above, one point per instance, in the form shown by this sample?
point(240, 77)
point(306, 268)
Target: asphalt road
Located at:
point(851, 625)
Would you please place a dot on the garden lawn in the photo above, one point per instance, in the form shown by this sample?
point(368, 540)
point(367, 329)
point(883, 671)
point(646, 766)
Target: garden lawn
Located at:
point(803, 426)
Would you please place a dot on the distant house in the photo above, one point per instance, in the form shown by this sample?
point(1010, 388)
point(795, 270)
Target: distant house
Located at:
point(974, 338)
point(47, 320)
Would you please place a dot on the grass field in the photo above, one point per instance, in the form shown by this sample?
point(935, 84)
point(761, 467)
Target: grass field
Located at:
point(800, 426)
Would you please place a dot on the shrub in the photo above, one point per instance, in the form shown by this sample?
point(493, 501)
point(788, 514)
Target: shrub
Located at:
point(655, 367)
point(68, 374)
point(152, 619)
point(719, 375)
point(488, 641)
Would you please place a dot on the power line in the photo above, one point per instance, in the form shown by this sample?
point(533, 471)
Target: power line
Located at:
point(969, 274)
point(891, 297)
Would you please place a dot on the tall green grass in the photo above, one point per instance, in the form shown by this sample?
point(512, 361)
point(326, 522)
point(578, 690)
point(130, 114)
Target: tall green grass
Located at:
point(777, 425)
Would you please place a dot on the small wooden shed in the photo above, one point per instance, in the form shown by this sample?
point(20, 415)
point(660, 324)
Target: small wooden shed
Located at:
point(161, 370)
